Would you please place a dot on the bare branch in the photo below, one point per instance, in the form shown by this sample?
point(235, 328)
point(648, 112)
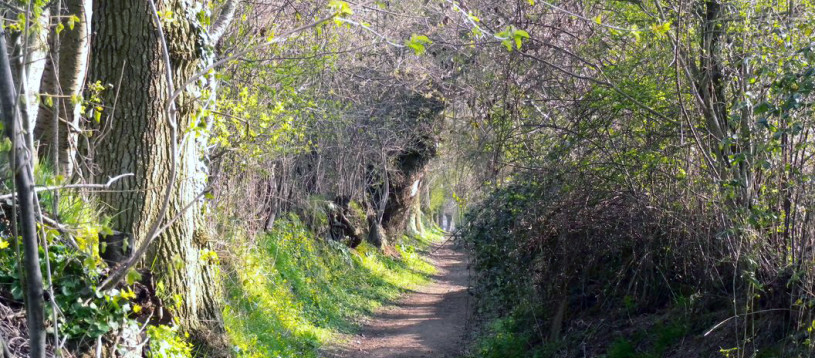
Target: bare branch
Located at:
point(73, 186)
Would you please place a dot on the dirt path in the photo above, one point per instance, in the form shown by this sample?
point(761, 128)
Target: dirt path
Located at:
point(428, 322)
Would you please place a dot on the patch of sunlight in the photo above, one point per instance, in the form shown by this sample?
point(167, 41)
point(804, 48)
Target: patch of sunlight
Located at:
point(292, 293)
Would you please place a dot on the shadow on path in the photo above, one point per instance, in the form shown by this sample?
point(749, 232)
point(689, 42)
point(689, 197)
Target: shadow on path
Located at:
point(428, 322)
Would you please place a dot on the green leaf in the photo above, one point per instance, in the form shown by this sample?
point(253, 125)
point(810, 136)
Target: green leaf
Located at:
point(72, 20)
point(512, 35)
point(340, 8)
point(519, 36)
point(132, 276)
point(762, 108)
point(661, 29)
point(417, 43)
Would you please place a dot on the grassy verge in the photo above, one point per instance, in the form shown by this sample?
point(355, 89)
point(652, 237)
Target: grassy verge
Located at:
point(290, 294)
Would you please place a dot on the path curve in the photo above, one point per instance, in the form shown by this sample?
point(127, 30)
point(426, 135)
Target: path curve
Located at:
point(428, 322)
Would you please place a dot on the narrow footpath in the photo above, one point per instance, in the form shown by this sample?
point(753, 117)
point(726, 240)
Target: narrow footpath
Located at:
point(428, 322)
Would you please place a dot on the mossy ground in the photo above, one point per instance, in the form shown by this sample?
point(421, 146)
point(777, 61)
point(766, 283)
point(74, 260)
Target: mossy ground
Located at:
point(292, 293)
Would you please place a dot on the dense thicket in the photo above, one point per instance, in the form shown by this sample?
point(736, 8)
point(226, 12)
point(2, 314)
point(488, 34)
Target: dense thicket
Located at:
point(644, 155)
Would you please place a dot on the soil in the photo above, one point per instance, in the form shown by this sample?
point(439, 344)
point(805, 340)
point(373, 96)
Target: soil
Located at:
point(427, 322)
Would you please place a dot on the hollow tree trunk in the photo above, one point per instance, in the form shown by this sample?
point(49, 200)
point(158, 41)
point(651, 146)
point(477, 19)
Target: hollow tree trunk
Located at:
point(136, 138)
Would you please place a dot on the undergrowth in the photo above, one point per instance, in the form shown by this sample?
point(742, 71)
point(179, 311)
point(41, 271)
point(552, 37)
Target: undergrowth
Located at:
point(290, 293)
point(520, 334)
point(73, 263)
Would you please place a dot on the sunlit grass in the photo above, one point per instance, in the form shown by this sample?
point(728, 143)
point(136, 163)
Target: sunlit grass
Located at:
point(293, 293)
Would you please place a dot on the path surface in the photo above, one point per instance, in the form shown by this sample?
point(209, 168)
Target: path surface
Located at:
point(428, 322)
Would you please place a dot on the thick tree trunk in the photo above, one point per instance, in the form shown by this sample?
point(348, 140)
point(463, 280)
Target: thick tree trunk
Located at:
point(415, 226)
point(136, 138)
point(376, 234)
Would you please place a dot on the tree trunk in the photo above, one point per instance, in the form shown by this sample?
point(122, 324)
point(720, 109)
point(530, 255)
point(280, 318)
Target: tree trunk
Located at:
point(710, 82)
point(415, 226)
point(24, 181)
point(67, 82)
point(440, 218)
point(376, 234)
point(136, 138)
point(28, 69)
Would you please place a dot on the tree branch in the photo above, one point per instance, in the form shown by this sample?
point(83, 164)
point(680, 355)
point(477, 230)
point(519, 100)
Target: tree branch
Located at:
point(73, 186)
point(224, 20)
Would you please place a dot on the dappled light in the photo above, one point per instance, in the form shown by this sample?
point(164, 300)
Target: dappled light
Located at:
point(415, 178)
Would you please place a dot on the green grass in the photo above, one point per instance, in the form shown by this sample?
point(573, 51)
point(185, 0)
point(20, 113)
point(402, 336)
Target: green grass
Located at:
point(290, 293)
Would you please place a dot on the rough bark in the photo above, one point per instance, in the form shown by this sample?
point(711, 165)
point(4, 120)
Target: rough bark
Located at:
point(410, 167)
point(136, 139)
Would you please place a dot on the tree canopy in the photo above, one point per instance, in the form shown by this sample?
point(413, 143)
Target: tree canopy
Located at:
point(624, 165)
